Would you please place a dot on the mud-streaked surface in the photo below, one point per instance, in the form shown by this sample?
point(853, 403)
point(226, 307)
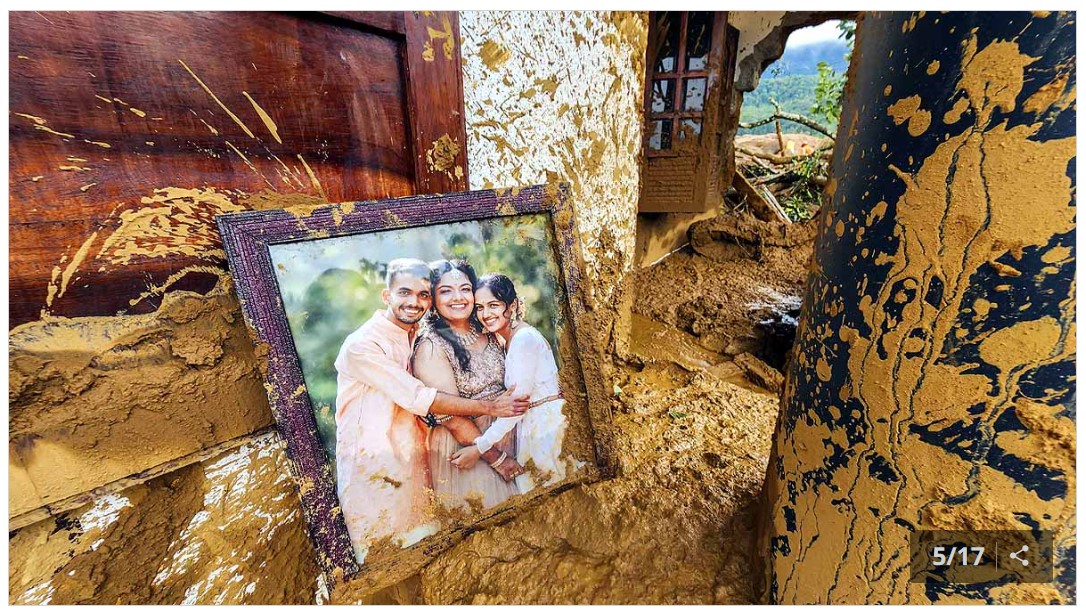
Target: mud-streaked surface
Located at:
point(228, 530)
point(932, 385)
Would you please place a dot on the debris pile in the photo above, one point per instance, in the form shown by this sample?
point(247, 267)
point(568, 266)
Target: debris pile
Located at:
point(735, 290)
point(780, 177)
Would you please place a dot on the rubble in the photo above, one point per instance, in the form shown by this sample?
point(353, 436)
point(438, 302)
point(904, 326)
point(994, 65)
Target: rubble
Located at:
point(780, 177)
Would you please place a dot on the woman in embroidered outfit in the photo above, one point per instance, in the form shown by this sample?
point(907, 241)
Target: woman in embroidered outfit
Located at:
point(530, 368)
point(455, 355)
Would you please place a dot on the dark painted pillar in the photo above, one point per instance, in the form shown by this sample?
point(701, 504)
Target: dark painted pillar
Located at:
point(933, 379)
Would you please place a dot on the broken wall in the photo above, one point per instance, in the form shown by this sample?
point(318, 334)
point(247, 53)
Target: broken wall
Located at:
point(761, 36)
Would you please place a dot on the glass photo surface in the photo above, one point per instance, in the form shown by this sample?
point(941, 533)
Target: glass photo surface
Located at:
point(388, 324)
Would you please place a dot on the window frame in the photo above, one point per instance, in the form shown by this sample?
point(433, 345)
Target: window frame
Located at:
point(680, 75)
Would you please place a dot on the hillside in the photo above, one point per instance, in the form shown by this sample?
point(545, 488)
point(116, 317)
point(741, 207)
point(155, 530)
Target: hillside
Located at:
point(791, 81)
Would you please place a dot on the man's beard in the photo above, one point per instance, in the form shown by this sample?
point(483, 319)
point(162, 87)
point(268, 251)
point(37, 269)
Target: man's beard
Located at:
point(407, 319)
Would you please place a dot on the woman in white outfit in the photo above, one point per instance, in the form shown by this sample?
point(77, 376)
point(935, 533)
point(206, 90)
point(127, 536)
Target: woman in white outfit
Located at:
point(530, 365)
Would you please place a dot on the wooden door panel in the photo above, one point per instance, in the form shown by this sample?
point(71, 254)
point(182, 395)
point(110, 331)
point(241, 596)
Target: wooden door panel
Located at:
point(129, 132)
point(106, 108)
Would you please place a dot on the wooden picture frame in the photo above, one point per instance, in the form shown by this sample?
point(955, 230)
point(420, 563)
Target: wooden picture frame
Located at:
point(249, 239)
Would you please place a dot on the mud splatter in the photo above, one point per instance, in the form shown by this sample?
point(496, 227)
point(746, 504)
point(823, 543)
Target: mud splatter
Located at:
point(445, 35)
point(58, 290)
point(493, 55)
point(40, 124)
point(247, 162)
point(313, 178)
point(923, 373)
point(269, 123)
point(442, 153)
point(908, 109)
point(174, 221)
point(236, 119)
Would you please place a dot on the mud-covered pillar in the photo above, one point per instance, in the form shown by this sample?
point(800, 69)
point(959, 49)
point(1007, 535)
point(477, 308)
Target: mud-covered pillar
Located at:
point(933, 379)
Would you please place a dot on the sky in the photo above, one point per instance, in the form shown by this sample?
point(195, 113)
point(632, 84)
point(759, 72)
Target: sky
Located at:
point(814, 34)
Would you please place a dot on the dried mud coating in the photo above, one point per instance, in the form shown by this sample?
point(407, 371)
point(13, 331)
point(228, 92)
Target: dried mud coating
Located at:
point(228, 530)
point(720, 301)
point(932, 385)
point(96, 399)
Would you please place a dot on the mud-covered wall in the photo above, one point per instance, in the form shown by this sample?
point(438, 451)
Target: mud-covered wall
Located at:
point(933, 379)
point(762, 36)
point(557, 96)
point(550, 97)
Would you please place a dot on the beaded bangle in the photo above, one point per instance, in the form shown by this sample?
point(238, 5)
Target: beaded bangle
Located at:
point(500, 459)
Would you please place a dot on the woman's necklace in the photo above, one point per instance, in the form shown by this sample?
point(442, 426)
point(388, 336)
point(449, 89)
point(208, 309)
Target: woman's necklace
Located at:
point(467, 339)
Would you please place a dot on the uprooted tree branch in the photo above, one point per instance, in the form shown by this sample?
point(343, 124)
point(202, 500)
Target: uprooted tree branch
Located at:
point(784, 185)
point(800, 119)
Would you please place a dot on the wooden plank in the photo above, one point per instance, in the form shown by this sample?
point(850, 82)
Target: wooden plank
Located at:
point(435, 99)
point(26, 518)
point(389, 21)
point(106, 109)
point(760, 200)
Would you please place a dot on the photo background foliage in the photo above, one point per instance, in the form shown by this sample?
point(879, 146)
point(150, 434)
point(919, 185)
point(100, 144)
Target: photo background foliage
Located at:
point(332, 286)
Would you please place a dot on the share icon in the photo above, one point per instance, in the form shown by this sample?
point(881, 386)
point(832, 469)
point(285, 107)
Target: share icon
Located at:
point(1014, 556)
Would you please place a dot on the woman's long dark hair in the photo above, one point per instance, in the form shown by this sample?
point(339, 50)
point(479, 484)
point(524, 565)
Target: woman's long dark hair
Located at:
point(436, 324)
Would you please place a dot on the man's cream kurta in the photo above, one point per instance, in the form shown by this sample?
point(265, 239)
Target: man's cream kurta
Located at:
point(381, 472)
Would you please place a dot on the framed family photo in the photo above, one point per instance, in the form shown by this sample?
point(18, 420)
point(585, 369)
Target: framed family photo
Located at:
point(421, 362)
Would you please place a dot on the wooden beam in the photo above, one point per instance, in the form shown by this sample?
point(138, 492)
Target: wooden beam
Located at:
point(435, 101)
point(760, 200)
point(73, 502)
